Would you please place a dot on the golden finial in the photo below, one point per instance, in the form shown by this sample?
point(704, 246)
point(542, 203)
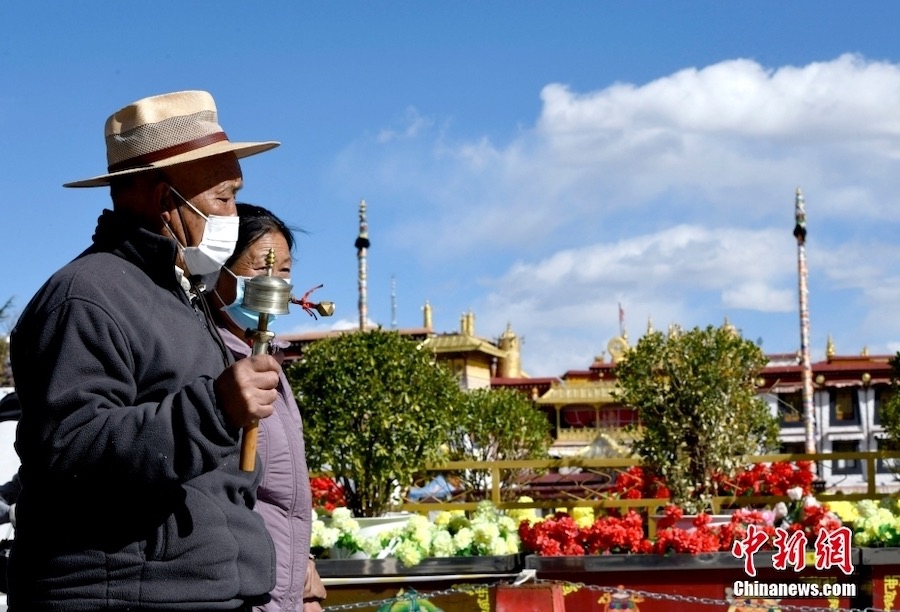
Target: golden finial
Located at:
point(865, 351)
point(426, 313)
point(729, 327)
point(829, 348)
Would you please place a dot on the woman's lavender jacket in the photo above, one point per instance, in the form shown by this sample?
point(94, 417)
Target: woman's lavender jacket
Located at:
point(283, 499)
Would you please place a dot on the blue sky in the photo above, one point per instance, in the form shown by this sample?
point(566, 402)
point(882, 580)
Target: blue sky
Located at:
point(537, 163)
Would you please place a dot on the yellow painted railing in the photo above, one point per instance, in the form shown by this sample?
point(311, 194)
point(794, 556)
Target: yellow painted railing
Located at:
point(606, 470)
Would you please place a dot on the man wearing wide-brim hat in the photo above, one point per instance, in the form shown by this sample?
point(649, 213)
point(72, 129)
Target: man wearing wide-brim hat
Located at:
point(132, 408)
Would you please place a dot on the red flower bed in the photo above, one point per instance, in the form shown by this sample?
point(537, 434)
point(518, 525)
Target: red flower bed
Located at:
point(559, 535)
point(326, 494)
point(625, 532)
point(769, 479)
point(759, 479)
point(639, 483)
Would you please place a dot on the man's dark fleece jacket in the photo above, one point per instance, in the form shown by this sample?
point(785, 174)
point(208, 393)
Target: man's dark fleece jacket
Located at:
point(132, 495)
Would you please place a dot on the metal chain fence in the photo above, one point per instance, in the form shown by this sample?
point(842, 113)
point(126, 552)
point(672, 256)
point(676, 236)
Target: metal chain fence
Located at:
point(412, 596)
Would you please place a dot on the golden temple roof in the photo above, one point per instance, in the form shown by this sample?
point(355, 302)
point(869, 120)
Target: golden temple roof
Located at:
point(458, 343)
point(595, 393)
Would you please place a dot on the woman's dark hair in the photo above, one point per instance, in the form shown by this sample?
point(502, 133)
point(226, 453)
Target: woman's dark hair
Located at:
point(255, 223)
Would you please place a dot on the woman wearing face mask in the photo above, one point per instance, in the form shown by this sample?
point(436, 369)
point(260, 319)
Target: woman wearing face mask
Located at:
point(283, 497)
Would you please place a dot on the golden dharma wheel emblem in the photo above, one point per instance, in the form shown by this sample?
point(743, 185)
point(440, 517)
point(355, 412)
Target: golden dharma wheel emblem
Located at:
point(617, 347)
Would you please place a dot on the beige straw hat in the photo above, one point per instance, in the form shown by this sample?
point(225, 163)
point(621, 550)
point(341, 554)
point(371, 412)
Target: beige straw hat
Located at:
point(165, 130)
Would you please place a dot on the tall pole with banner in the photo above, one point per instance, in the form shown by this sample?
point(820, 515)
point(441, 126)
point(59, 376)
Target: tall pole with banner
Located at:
point(809, 420)
point(362, 246)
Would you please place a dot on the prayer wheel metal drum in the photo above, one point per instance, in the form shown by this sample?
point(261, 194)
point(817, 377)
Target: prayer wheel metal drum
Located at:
point(267, 295)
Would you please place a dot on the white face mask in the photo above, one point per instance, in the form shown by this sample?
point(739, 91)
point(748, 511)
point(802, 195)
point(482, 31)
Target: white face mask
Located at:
point(217, 244)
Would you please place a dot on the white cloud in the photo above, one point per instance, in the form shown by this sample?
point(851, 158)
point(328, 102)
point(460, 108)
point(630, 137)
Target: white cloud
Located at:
point(732, 139)
point(411, 124)
point(821, 102)
point(681, 258)
point(675, 197)
point(758, 296)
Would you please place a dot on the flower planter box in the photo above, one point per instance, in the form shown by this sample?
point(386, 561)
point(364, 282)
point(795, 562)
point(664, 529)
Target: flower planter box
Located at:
point(687, 521)
point(883, 566)
point(665, 583)
point(432, 566)
point(369, 526)
point(354, 581)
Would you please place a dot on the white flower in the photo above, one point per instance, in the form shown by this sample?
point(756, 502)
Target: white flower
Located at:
point(372, 546)
point(795, 493)
point(342, 520)
point(322, 536)
point(780, 510)
point(488, 532)
point(810, 502)
point(463, 538)
point(409, 553)
point(512, 542)
point(507, 524)
point(484, 535)
point(443, 545)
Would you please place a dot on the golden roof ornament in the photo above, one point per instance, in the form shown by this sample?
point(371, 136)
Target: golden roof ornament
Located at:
point(508, 334)
point(617, 348)
point(729, 327)
point(426, 313)
point(829, 348)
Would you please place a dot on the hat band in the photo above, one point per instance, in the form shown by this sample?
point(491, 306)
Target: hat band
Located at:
point(155, 156)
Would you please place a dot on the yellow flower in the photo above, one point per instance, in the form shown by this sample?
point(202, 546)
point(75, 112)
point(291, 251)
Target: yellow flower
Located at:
point(442, 519)
point(584, 517)
point(523, 514)
point(878, 523)
point(847, 511)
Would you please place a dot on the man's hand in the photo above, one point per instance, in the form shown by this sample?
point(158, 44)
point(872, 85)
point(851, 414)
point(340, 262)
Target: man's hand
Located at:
point(246, 391)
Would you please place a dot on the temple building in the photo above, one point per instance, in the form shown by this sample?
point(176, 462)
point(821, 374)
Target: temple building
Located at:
point(586, 419)
point(848, 392)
